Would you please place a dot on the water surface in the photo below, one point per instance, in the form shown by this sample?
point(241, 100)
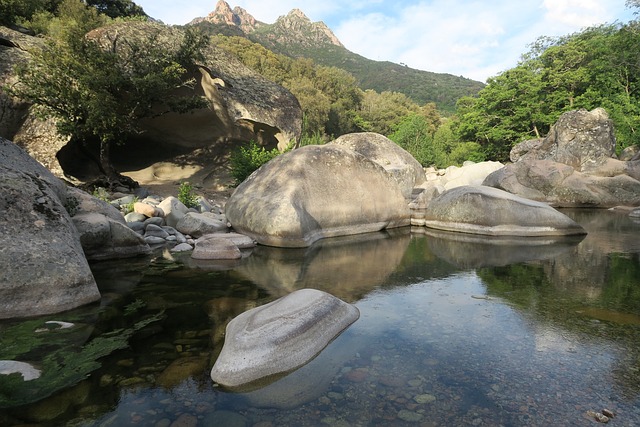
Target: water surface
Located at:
point(454, 330)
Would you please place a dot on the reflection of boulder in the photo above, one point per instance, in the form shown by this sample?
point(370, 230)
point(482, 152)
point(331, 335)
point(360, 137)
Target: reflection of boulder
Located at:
point(279, 337)
point(401, 165)
point(316, 192)
point(347, 267)
point(489, 211)
point(310, 381)
point(472, 251)
point(574, 165)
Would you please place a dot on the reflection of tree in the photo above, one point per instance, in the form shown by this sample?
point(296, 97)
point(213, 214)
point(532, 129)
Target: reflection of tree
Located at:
point(535, 290)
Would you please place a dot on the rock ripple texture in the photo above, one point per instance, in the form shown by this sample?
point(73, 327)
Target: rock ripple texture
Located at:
point(280, 336)
point(316, 192)
point(487, 210)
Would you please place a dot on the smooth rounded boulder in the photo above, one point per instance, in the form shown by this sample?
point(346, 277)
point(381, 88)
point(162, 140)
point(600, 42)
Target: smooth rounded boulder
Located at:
point(487, 210)
point(316, 192)
point(398, 162)
point(280, 336)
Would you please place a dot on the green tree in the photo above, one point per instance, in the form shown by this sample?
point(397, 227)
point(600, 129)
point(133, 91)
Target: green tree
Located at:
point(383, 112)
point(19, 11)
point(415, 134)
point(98, 93)
point(117, 8)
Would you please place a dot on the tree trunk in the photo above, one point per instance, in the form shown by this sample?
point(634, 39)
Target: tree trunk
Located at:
point(112, 178)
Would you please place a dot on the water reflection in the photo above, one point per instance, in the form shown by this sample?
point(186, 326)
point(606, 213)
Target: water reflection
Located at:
point(346, 267)
point(474, 251)
point(453, 331)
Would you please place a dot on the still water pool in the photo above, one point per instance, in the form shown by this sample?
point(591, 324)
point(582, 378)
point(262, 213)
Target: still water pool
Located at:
point(454, 330)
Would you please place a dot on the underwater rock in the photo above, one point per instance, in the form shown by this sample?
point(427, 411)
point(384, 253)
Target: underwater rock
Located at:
point(280, 336)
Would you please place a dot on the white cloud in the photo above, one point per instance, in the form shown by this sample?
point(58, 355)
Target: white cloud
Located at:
point(473, 38)
point(575, 13)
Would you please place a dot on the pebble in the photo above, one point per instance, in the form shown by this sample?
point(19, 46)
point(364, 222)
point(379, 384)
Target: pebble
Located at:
point(424, 398)
point(410, 416)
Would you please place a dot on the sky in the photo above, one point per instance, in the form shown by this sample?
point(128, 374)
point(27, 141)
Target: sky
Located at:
point(476, 39)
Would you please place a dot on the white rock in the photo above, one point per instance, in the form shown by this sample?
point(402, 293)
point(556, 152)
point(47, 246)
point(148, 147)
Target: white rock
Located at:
point(280, 336)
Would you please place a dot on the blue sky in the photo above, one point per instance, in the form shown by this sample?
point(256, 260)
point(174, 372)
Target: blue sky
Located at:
point(472, 38)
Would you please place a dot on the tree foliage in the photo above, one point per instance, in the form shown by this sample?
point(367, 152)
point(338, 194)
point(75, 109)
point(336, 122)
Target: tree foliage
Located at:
point(597, 67)
point(96, 93)
point(329, 96)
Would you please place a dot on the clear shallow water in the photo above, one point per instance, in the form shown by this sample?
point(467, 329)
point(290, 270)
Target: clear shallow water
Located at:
point(454, 330)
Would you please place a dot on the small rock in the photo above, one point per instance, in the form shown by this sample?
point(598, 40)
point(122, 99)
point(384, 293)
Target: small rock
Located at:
point(185, 420)
point(153, 230)
point(216, 248)
point(424, 398)
point(182, 247)
point(410, 416)
point(608, 413)
point(134, 217)
point(156, 220)
point(145, 209)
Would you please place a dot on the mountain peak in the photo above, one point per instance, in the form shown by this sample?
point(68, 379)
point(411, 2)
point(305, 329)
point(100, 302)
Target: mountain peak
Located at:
point(299, 27)
point(236, 17)
point(297, 13)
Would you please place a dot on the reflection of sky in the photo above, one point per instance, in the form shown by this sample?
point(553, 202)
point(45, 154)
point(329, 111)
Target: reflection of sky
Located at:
point(449, 321)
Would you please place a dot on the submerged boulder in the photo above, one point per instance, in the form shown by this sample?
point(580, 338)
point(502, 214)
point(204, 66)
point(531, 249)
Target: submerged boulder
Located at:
point(316, 192)
point(487, 210)
point(280, 336)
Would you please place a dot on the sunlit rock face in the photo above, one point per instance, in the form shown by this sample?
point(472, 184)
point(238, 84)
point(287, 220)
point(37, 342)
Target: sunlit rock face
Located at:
point(242, 106)
point(398, 163)
point(486, 210)
point(316, 192)
point(279, 337)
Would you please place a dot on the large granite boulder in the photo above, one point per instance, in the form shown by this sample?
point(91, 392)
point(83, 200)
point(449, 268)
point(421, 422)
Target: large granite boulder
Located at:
point(470, 173)
point(316, 192)
point(486, 210)
point(45, 270)
point(279, 337)
point(574, 165)
point(243, 106)
point(401, 165)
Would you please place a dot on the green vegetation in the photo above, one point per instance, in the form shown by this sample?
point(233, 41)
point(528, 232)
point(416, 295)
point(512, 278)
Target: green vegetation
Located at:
point(245, 160)
point(339, 92)
point(422, 87)
point(187, 196)
point(597, 67)
point(66, 363)
point(98, 93)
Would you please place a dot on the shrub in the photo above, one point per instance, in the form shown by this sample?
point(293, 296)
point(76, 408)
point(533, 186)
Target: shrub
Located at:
point(246, 160)
point(186, 195)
